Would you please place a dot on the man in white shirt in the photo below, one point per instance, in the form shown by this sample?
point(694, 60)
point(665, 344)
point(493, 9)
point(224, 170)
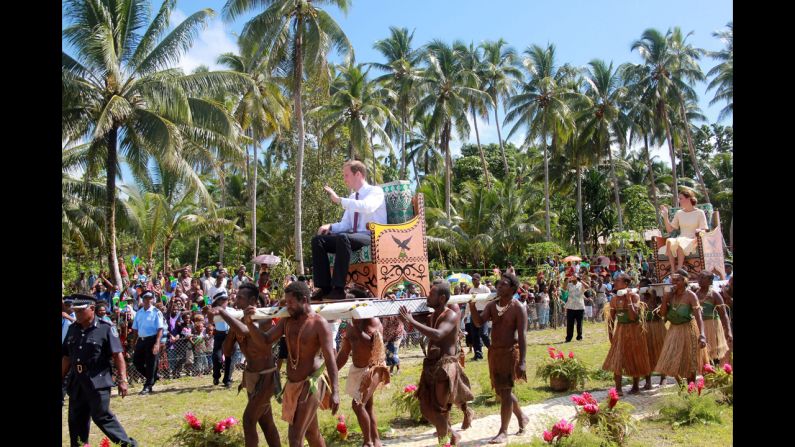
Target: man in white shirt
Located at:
point(220, 285)
point(240, 278)
point(365, 204)
point(575, 306)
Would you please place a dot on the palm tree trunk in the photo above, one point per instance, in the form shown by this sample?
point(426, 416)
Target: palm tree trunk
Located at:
point(499, 138)
point(416, 171)
point(653, 181)
point(692, 150)
point(403, 164)
point(166, 252)
point(223, 205)
point(667, 124)
point(731, 234)
point(579, 210)
point(480, 149)
point(615, 187)
point(255, 165)
point(298, 70)
point(448, 166)
point(196, 259)
point(110, 206)
point(546, 181)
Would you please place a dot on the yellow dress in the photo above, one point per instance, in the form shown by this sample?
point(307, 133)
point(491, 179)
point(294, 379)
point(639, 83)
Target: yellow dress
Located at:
point(687, 223)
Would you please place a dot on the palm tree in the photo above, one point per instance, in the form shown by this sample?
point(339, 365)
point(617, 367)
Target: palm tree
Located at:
point(473, 65)
point(402, 75)
point(447, 97)
point(500, 74)
point(723, 72)
point(605, 119)
point(297, 35)
point(262, 111)
point(423, 143)
point(542, 106)
point(119, 92)
point(358, 105)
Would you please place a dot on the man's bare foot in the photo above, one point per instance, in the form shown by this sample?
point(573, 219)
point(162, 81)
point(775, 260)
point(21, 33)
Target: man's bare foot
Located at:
point(499, 439)
point(377, 443)
point(523, 424)
point(454, 438)
point(634, 390)
point(468, 416)
point(647, 387)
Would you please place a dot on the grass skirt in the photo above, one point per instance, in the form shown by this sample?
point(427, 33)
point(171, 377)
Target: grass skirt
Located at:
point(628, 353)
point(716, 340)
point(681, 355)
point(655, 338)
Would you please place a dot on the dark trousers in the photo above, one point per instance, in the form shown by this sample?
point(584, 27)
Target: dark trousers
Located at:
point(571, 317)
point(218, 342)
point(342, 245)
point(479, 338)
point(85, 405)
point(146, 362)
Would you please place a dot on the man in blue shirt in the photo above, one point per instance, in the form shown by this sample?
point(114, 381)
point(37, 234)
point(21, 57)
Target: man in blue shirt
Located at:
point(221, 329)
point(148, 325)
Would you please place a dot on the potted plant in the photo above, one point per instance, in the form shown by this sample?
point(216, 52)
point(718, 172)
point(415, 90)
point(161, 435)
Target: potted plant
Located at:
point(563, 372)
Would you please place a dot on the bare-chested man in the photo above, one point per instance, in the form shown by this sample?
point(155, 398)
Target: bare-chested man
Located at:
point(443, 382)
point(260, 376)
point(507, 351)
point(308, 335)
point(364, 341)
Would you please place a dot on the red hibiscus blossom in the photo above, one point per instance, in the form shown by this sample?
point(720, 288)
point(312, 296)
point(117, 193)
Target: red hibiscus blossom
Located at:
point(571, 355)
point(105, 442)
point(728, 368)
point(700, 385)
point(691, 387)
point(708, 369)
point(578, 400)
point(548, 437)
point(220, 427)
point(589, 398)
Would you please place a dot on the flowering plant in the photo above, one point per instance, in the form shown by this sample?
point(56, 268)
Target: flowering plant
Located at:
point(690, 406)
point(195, 433)
point(560, 430)
point(565, 367)
point(104, 443)
point(342, 429)
point(611, 421)
point(406, 402)
point(721, 380)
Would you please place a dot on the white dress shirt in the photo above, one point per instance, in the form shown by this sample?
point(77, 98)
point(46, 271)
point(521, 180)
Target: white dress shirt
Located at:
point(371, 207)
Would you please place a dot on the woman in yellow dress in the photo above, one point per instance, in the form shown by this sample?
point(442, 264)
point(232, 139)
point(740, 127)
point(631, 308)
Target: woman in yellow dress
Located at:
point(689, 221)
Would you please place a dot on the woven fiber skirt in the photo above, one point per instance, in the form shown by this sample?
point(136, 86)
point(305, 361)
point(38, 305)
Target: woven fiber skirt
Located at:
point(681, 355)
point(655, 338)
point(628, 353)
point(716, 340)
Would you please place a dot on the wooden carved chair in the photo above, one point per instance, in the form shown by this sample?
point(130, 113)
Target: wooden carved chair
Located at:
point(398, 250)
point(709, 254)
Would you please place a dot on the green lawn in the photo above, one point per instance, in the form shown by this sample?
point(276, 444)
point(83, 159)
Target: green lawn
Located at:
point(153, 419)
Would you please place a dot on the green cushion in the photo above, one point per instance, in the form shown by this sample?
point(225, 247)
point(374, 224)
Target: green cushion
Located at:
point(363, 254)
point(398, 197)
point(706, 207)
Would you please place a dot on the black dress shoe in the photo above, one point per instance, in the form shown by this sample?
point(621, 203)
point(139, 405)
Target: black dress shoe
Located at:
point(227, 384)
point(320, 294)
point(215, 382)
point(337, 293)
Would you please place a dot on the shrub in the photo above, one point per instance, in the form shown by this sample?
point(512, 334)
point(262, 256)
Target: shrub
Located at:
point(564, 366)
point(611, 421)
point(691, 406)
point(197, 433)
point(407, 402)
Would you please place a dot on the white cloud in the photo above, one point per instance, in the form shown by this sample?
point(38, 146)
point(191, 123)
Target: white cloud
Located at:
point(211, 42)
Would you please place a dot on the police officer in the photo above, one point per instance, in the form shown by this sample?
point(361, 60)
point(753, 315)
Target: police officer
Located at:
point(87, 349)
point(148, 325)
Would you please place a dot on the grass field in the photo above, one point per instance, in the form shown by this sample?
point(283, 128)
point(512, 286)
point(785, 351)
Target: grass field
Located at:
point(154, 418)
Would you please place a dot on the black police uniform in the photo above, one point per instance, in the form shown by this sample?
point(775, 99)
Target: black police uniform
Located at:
point(90, 351)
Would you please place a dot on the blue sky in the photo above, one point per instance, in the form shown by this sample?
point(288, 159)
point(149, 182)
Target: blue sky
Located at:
point(581, 30)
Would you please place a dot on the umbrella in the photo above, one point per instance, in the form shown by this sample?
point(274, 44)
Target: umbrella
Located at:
point(572, 258)
point(459, 277)
point(267, 259)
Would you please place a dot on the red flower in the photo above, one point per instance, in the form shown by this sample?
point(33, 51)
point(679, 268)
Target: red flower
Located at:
point(708, 368)
point(229, 422)
point(700, 385)
point(219, 427)
point(578, 400)
point(548, 437)
point(562, 428)
point(193, 421)
point(571, 355)
point(588, 398)
point(691, 387)
point(105, 442)
point(410, 388)
point(342, 428)
point(559, 355)
point(591, 408)
point(613, 394)
point(728, 368)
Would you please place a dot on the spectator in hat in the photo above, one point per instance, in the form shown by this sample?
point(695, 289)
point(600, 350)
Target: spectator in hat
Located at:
point(218, 286)
point(149, 325)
